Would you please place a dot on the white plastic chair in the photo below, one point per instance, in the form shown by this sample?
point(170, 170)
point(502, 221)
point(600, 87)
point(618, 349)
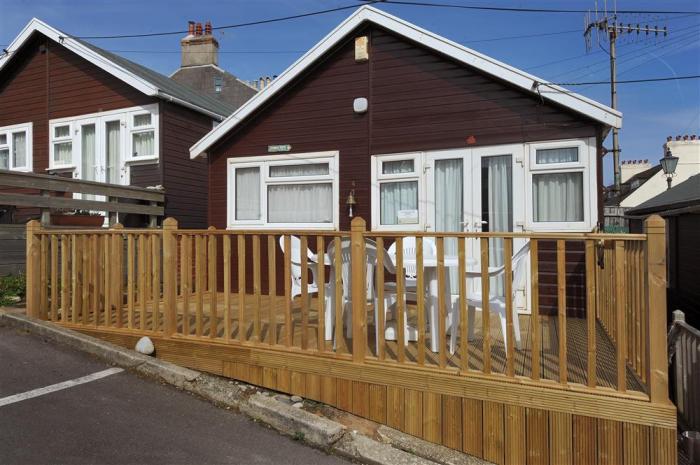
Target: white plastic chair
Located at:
point(346, 280)
point(410, 280)
point(295, 245)
point(497, 304)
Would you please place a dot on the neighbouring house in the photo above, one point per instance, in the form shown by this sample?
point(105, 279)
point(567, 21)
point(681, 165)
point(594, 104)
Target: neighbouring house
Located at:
point(71, 108)
point(680, 206)
point(200, 68)
point(641, 181)
point(425, 134)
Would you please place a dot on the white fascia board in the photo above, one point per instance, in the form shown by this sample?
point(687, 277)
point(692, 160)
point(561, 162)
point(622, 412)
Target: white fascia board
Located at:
point(525, 81)
point(82, 51)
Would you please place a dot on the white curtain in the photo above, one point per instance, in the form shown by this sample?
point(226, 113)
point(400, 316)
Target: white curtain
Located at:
point(248, 193)
point(19, 149)
point(395, 196)
point(558, 197)
point(143, 144)
point(497, 175)
point(112, 151)
point(63, 152)
point(300, 203)
point(449, 208)
point(397, 167)
point(560, 155)
point(87, 151)
point(4, 159)
point(309, 169)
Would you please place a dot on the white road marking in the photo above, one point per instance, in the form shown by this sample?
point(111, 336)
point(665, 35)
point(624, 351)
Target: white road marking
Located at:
point(58, 387)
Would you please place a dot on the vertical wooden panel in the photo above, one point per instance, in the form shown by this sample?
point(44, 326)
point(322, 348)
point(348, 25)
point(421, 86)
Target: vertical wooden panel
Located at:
point(537, 436)
point(561, 313)
point(338, 310)
point(432, 417)
point(54, 278)
point(298, 383)
point(313, 386)
point(420, 300)
point(620, 310)
point(211, 274)
point(107, 275)
point(227, 286)
point(395, 407)
point(452, 422)
point(143, 293)
point(585, 445)
point(118, 273)
point(130, 281)
point(269, 377)
point(360, 399)
point(169, 279)
point(636, 444)
point(400, 316)
point(321, 297)
point(241, 286)
point(95, 278)
point(591, 311)
point(441, 314)
point(44, 277)
point(485, 311)
point(463, 319)
point(272, 290)
point(328, 390)
point(76, 287)
point(284, 380)
point(493, 431)
point(609, 442)
point(413, 408)
point(381, 311)
point(472, 427)
point(155, 280)
point(560, 438)
point(304, 293)
point(663, 446)
point(257, 290)
point(344, 394)
point(85, 267)
point(656, 351)
point(515, 423)
point(535, 311)
point(510, 332)
point(377, 401)
point(359, 289)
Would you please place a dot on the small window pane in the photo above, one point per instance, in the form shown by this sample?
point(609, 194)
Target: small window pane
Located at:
point(61, 131)
point(19, 149)
point(395, 197)
point(3, 139)
point(306, 169)
point(300, 203)
point(62, 153)
point(142, 120)
point(4, 159)
point(143, 144)
point(557, 197)
point(397, 167)
point(247, 193)
point(561, 155)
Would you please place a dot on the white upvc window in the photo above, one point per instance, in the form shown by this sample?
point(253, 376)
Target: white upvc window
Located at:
point(398, 190)
point(138, 138)
point(16, 147)
point(562, 186)
point(294, 191)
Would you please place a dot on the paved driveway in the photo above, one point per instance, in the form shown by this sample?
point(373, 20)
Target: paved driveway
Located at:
point(115, 417)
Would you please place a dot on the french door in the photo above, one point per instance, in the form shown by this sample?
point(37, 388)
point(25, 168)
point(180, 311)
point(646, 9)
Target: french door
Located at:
point(101, 142)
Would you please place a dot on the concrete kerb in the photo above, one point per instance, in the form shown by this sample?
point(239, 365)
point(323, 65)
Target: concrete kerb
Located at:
point(313, 429)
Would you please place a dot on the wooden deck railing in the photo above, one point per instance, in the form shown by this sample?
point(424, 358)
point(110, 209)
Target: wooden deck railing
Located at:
point(235, 287)
point(44, 185)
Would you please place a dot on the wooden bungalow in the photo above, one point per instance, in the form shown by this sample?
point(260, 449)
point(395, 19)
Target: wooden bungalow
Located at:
point(74, 109)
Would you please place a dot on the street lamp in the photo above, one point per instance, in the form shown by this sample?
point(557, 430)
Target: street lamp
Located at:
point(668, 164)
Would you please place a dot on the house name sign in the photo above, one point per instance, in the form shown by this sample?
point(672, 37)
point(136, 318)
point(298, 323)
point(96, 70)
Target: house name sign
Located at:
point(279, 148)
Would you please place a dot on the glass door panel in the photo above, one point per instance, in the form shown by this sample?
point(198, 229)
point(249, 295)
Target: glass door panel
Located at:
point(112, 150)
point(88, 155)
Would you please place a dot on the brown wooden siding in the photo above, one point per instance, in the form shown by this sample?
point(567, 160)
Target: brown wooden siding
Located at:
point(419, 100)
point(684, 265)
point(185, 180)
point(47, 81)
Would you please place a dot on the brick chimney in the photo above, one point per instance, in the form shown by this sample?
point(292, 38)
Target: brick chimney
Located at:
point(199, 47)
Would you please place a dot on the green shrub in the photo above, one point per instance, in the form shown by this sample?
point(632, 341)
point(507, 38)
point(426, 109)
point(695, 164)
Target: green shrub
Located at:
point(12, 287)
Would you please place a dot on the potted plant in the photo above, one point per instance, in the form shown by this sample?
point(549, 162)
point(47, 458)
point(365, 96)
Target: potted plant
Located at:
point(82, 218)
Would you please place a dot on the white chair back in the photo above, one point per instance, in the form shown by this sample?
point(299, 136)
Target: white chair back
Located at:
point(519, 269)
point(346, 266)
point(295, 268)
point(409, 252)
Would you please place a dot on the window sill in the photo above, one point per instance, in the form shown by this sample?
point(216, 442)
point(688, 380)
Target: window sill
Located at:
point(61, 169)
point(559, 226)
point(283, 227)
point(142, 161)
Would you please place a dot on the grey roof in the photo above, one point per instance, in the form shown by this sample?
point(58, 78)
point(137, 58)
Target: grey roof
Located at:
point(165, 84)
point(684, 194)
point(626, 188)
point(234, 92)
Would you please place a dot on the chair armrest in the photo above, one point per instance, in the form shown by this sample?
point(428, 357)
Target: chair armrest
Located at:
point(493, 272)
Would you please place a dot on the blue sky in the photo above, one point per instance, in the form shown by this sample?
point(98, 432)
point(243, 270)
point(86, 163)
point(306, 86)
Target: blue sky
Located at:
point(651, 111)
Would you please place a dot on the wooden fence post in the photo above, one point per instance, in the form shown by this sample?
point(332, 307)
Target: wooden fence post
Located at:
point(170, 274)
point(359, 289)
point(655, 228)
point(33, 270)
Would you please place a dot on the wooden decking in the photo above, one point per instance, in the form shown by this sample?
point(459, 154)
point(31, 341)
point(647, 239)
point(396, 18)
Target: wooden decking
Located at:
point(576, 342)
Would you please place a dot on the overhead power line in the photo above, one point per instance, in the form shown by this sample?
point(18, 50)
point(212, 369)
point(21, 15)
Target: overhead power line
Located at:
point(629, 81)
point(531, 10)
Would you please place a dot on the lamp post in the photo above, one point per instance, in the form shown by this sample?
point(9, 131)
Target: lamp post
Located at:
point(668, 164)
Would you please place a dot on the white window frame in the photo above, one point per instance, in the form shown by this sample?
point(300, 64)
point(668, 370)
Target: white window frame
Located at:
point(8, 131)
point(264, 162)
point(378, 178)
point(58, 140)
point(126, 117)
point(586, 165)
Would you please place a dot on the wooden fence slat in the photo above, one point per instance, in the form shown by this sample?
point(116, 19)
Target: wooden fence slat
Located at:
point(535, 311)
point(494, 432)
point(155, 280)
point(185, 280)
point(75, 286)
point(381, 311)
point(400, 302)
point(321, 298)
point(515, 443)
point(620, 310)
point(472, 427)
point(213, 284)
point(241, 286)
point(338, 310)
point(272, 289)
point(130, 281)
point(107, 275)
point(591, 311)
point(200, 276)
point(44, 276)
point(463, 318)
point(561, 312)
point(256, 288)
point(420, 300)
point(143, 293)
point(508, 288)
point(304, 292)
point(227, 286)
point(288, 330)
point(359, 289)
point(485, 311)
point(441, 314)
point(54, 278)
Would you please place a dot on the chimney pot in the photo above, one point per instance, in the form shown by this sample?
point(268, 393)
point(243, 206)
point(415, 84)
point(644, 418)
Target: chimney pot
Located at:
point(669, 139)
point(207, 28)
point(678, 137)
point(198, 30)
point(190, 28)
point(693, 137)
